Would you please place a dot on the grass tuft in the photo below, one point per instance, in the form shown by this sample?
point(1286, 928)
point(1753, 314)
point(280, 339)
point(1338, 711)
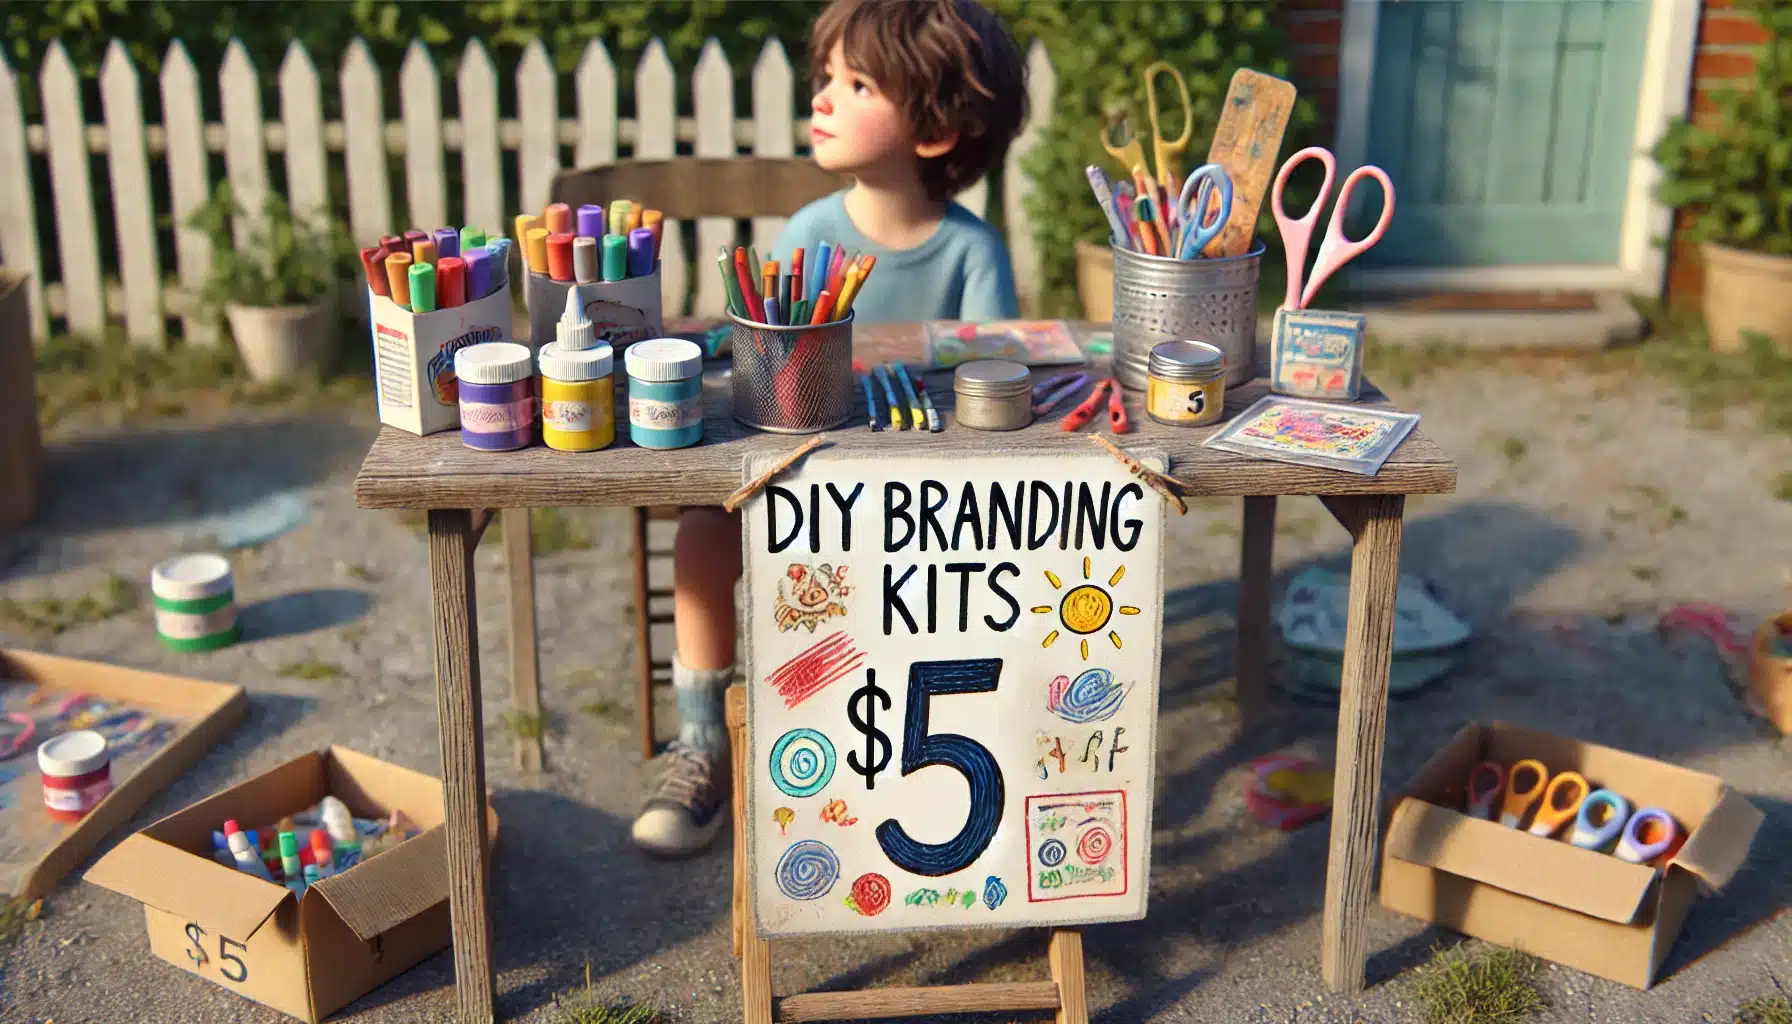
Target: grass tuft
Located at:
point(1492, 987)
point(603, 707)
point(53, 615)
point(313, 670)
point(524, 725)
point(1775, 1009)
point(1513, 448)
point(1782, 487)
point(586, 1008)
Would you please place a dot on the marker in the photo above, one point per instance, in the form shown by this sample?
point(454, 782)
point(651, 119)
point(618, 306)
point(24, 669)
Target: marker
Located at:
point(837, 271)
point(323, 857)
point(423, 288)
point(737, 303)
point(289, 862)
point(634, 219)
point(618, 216)
point(395, 243)
point(784, 286)
point(799, 288)
point(883, 381)
point(908, 392)
point(934, 424)
point(535, 246)
point(373, 262)
point(800, 315)
point(771, 313)
point(525, 223)
point(615, 257)
point(447, 243)
point(654, 221)
point(471, 238)
point(413, 236)
point(584, 259)
point(824, 307)
point(748, 290)
point(753, 263)
point(479, 273)
point(866, 264)
point(498, 250)
point(640, 252)
point(247, 859)
point(819, 277)
point(560, 256)
point(870, 402)
point(557, 218)
point(768, 285)
point(423, 251)
point(451, 282)
point(591, 221)
point(398, 275)
point(848, 288)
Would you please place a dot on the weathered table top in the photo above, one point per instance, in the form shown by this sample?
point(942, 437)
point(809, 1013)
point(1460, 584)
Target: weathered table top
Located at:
point(438, 471)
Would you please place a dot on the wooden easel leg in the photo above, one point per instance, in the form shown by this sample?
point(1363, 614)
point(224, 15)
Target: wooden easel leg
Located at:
point(754, 952)
point(643, 640)
point(1255, 574)
point(451, 545)
point(1066, 957)
point(525, 652)
point(1374, 523)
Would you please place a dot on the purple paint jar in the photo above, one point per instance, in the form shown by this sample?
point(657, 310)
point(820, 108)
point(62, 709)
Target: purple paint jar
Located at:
point(497, 396)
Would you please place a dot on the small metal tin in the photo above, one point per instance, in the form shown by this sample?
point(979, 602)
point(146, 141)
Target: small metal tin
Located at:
point(1185, 383)
point(993, 394)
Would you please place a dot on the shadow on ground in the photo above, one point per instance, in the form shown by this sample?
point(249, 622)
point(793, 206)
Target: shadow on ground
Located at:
point(304, 611)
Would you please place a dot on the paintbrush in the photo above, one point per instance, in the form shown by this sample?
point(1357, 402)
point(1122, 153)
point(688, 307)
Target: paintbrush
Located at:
point(908, 392)
point(870, 402)
point(883, 380)
point(934, 423)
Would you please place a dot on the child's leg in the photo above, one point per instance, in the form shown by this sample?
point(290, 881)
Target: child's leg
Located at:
point(684, 812)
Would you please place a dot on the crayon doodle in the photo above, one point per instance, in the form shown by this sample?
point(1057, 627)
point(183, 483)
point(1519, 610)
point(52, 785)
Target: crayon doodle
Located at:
point(994, 892)
point(870, 894)
point(835, 813)
point(1085, 608)
point(809, 595)
point(824, 662)
point(802, 763)
point(1091, 829)
point(783, 816)
point(808, 870)
point(1093, 697)
point(1052, 752)
point(958, 899)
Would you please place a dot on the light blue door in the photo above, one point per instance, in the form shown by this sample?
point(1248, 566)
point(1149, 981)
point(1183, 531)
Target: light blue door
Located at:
point(1507, 127)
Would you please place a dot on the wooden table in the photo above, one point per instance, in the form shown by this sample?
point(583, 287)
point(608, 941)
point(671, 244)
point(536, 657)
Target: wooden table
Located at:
point(456, 485)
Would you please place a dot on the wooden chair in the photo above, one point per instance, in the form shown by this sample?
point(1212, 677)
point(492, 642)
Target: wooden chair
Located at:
point(684, 189)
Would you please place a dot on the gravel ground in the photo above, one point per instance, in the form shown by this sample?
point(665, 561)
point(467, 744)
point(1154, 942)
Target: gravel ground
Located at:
point(1570, 533)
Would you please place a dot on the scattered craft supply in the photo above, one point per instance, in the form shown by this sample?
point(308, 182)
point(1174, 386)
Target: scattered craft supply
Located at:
point(1770, 672)
point(1080, 416)
point(1286, 792)
point(1311, 620)
point(77, 773)
point(1028, 342)
point(908, 393)
point(195, 603)
point(1353, 439)
point(1047, 394)
point(935, 423)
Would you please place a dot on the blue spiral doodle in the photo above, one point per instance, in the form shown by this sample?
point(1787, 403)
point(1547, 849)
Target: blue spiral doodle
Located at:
point(1093, 697)
point(808, 870)
point(994, 892)
point(1052, 853)
point(811, 766)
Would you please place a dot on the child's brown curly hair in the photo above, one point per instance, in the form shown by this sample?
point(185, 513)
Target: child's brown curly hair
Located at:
point(948, 65)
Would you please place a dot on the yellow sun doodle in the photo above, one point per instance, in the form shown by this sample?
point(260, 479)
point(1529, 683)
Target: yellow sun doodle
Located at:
point(1085, 608)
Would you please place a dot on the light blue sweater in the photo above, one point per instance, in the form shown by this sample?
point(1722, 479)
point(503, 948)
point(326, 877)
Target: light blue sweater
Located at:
point(962, 272)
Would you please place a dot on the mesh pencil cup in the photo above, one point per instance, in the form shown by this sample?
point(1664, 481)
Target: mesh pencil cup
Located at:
point(1158, 299)
point(793, 380)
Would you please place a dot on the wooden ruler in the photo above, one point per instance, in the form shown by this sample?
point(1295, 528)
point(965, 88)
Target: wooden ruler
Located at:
point(1247, 143)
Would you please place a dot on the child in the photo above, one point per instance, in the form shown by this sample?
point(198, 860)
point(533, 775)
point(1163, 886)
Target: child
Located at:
point(916, 100)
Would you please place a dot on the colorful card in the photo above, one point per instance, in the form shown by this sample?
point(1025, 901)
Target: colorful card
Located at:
point(1349, 438)
point(1030, 342)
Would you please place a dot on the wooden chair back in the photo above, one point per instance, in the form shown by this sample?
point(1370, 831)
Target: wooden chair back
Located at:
point(685, 188)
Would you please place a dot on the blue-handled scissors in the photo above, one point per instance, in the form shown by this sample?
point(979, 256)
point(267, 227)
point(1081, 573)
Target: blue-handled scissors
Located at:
point(1200, 188)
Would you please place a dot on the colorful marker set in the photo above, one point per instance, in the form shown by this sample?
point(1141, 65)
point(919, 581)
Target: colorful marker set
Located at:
point(1595, 819)
point(424, 271)
point(821, 292)
point(591, 243)
point(913, 404)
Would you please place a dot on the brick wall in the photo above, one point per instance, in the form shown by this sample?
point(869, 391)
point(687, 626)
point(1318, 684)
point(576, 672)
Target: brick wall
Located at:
point(1314, 28)
point(1725, 37)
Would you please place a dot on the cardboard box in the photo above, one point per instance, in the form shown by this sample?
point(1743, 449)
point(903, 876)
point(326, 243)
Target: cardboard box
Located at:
point(413, 357)
point(621, 312)
point(307, 957)
point(1770, 674)
point(1579, 908)
point(21, 446)
point(210, 710)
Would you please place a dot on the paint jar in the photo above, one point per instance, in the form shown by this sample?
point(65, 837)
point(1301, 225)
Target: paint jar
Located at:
point(665, 392)
point(497, 396)
point(993, 394)
point(578, 398)
point(1185, 383)
point(77, 770)
point(195, 603)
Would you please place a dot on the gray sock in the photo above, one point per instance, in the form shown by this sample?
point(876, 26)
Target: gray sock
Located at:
point(702, 720)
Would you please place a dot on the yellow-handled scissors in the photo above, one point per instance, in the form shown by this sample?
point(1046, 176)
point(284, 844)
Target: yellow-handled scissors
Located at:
point(1121, 141)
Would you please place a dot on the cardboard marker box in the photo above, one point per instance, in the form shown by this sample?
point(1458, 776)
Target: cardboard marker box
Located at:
point(622, 312)
point(1581, 908)
point(307, 957)
point(413, 357)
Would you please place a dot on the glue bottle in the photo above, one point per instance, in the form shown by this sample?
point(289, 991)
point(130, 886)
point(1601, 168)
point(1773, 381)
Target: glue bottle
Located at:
point(341, 827)
point(248, 859)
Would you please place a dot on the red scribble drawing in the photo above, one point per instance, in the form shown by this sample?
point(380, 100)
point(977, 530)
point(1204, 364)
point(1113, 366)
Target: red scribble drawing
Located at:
point(809, 595)
point(802, 676)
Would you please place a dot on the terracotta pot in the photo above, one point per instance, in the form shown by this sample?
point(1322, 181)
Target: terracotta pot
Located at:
point(1746, 292)
point(1095, 281)
point(281, 342)
point(1770, 678)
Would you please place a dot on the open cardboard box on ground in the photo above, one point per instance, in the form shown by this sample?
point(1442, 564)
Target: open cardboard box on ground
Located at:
point(1580, 908)
point(310, 956)
point(207, 711)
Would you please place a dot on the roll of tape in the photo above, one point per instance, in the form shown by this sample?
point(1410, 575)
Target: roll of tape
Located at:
point(1602, 816)
point(191, 577)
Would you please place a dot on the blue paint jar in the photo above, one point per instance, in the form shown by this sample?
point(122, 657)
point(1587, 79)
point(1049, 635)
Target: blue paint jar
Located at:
point(665, 393)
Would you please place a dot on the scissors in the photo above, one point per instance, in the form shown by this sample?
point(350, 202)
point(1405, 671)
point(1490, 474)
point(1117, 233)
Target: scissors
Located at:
point(1524, 784)
point(1125, 146)
point(1200, 187)
point(1485, 781)
point(1335, 250)
point(1650, 832)
point(1561, 803)
point(1601, 819)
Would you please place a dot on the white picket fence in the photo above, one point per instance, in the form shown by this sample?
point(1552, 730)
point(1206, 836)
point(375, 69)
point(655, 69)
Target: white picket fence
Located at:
point(537, 136)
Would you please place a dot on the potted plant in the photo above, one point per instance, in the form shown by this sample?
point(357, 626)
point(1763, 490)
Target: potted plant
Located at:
point(1734, 177)
point(278, 292)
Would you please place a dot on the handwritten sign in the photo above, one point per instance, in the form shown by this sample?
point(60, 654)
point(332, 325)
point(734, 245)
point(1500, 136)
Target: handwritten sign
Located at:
point(952, 691)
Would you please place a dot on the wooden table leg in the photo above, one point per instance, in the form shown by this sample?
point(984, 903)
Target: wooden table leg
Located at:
point(643, 639)
point(1255, 579)
point(1374, 522)
point(451, 546)
point(525, 650)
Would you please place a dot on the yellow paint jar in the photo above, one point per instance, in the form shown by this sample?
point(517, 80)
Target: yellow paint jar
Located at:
point(1185, 384)
point(578, 398)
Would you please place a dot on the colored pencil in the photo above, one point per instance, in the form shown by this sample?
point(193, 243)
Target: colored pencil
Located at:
point(748, 289)
point(731, 284)
point(797, 290)
point(823, 306)
point(870, 402)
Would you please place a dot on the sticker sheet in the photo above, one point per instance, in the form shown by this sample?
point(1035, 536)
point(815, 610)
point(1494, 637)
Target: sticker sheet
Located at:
point(1029, 342)
point(1351, 438)
point(952, 683)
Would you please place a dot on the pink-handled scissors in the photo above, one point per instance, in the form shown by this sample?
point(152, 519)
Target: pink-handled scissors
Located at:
point(1335, 250)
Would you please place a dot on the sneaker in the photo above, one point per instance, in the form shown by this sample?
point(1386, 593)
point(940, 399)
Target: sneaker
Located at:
point(688, 804)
